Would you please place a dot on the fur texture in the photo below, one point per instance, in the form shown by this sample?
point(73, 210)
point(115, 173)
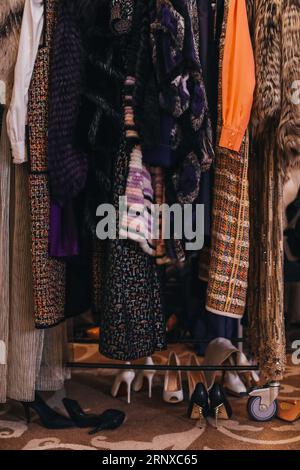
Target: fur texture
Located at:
point(267, 51)
point(10, 22)
point(276, 42)
point(289, 128)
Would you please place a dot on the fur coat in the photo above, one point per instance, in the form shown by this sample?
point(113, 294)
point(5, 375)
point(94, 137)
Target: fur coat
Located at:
point(11, 12)
point(276, 41)
point(275, 27)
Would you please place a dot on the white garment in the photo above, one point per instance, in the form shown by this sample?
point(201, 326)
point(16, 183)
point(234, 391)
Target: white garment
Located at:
point(30, 38)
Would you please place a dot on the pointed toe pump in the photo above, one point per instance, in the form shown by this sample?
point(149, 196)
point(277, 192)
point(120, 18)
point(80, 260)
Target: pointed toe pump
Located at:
point(195, 377)
point(251, 377)
point(144, 375)
point(79, 417)
point(126, 377)
point(199, 404)
point(50, 419)
point(232, 382)
point(109, 420)
point(237, 383)
point(173, 392)
point(219, 405)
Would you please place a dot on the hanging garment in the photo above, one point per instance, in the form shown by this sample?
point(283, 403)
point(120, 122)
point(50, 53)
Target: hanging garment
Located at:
point(202, 324)
point(228, 273)
point(275, 123)
point(31, 359)
point(132, 320)
point(67, 165)
point(48, 273)
point(30, 92)
point(99, 123)
point(35, 357)
point(32, 28)
point(175, 49)
point(10, 23)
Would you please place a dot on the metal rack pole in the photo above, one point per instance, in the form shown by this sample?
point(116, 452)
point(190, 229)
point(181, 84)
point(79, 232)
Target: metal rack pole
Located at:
point(107, 365)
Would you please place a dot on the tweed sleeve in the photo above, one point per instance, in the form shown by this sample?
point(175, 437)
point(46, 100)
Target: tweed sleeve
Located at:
point(30, 37)
point(238, 77)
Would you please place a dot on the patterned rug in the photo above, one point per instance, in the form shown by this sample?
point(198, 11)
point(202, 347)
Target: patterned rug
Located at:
point(151, 424)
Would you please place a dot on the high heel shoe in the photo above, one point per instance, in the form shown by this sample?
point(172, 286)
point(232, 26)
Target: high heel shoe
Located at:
point(109, 419)
point(144, 374)
point(194, 377)
point(173, 392)
point(49, 418)
point(219, 405)
point(79, 417)
point(124, 376)
point(232, 382)
point(199, 404)
point(251, 377)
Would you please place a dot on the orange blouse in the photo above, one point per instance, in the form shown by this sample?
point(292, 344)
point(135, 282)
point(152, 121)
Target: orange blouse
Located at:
point(238, 77)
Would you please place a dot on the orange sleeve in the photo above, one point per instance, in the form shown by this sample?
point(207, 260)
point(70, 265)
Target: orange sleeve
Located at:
point(238, 77)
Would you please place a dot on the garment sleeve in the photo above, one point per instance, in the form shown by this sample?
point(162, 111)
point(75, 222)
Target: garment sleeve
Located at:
point(30, 37)
point(238, 77)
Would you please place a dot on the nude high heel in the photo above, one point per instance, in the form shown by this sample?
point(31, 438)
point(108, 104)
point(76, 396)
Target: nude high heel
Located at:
point(173, 392)
point(144, 374)
point(237, 383)
point(124, 376)
point(232, 382)
point(250, 376)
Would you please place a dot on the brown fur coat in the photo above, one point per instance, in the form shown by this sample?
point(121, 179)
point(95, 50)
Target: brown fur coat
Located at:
point(276, 41)
point(10, 21)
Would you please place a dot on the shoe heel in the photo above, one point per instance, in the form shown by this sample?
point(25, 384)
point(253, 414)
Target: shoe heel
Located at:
point(150, 382)
point(144, 374)
point(201, 419)
point(216, 412)
point(27, 412)
point(197, 413)
point(129, 384)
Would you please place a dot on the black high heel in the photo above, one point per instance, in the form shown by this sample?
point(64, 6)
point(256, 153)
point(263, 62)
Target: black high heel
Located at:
point(199, 404)
point(219, 405)
point(50, 419)
point(110, 419)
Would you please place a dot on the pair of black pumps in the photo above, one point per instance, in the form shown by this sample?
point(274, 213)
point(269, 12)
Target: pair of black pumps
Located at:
point(109, 420)
point(205, 403)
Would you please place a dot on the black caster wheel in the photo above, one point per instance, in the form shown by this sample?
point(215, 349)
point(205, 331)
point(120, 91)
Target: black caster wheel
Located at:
point(257, 413)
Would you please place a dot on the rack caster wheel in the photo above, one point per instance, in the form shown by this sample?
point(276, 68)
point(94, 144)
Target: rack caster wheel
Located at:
point(262, 405)
point(261, 413)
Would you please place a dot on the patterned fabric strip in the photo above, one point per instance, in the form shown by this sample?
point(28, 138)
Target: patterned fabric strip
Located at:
point(48, 273)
